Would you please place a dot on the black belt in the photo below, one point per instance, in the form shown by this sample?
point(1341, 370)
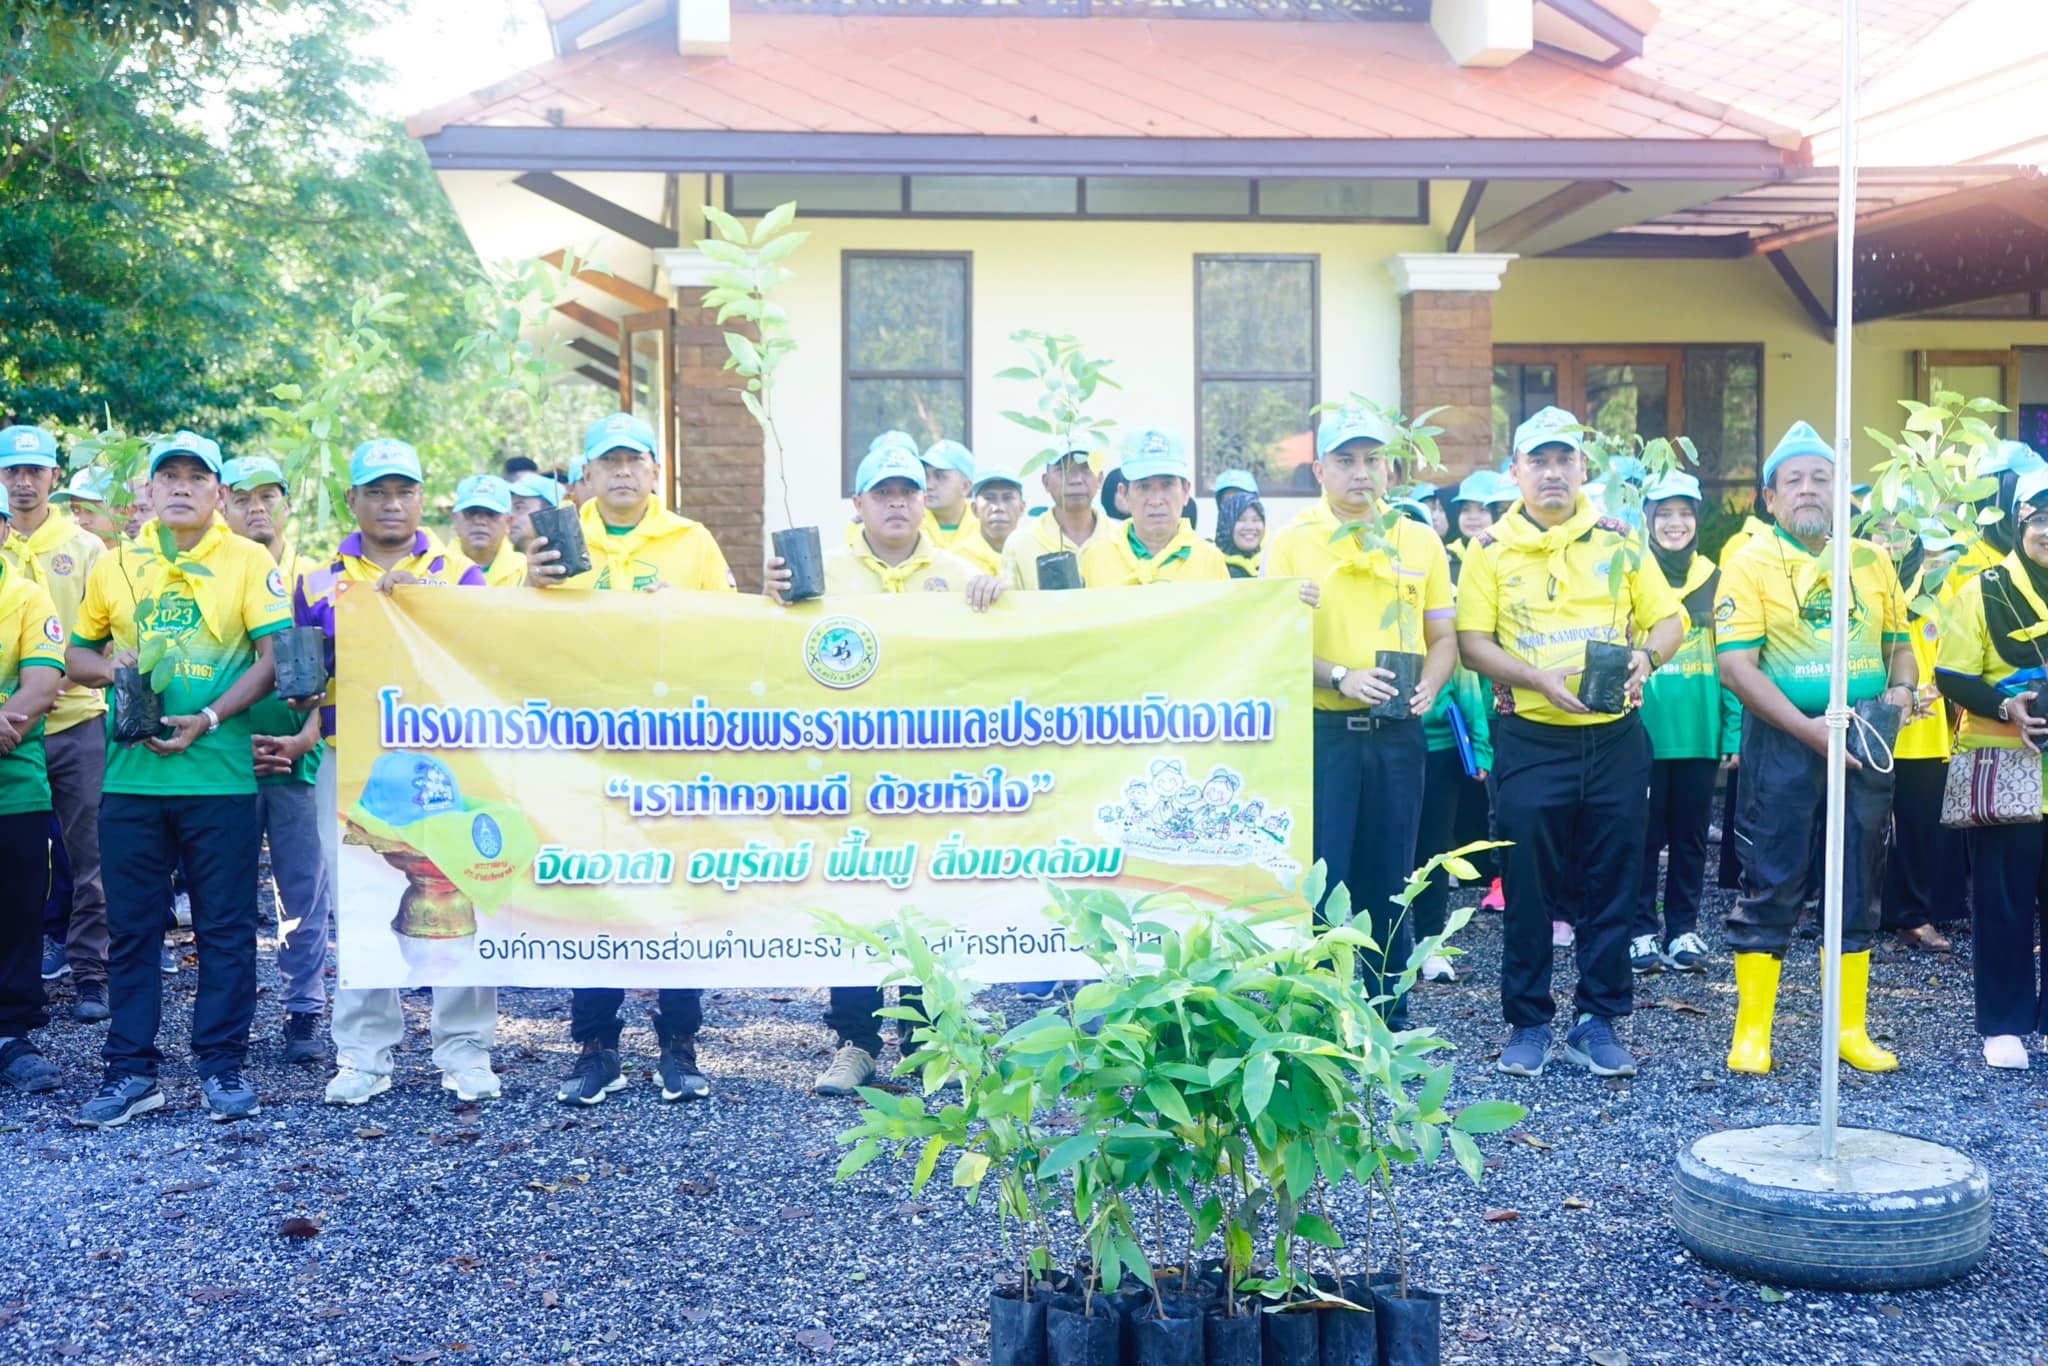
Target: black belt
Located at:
point(1359, 721)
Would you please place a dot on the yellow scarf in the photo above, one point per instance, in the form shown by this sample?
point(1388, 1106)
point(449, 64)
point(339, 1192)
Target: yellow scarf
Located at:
point(55, 530)
point(1144, 570)
point(1052, 533)
point(1353, 556)
point(1518, 532)
point(616, 554)
point(187, 570)
point(896, 577)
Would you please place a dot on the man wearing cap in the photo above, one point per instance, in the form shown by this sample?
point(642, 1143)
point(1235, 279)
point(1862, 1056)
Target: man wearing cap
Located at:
point(1069, 525)
point(891, 553)
point(60, 554)
point(998, 505)
point(1776, 656)
point(579, 490)
point(531, 493)
point(949, 517)
point(288, 754)
point(483, 527)
point(1157, 545)
point(388, 549)
point(1368, 772)
point(85, 498)
point(634, 543)
point(1536, 588)
point(197, 605)
point(31, 680)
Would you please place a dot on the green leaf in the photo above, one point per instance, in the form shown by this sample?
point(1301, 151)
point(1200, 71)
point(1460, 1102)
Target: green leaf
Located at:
point(1489, 1117)
point(970, 1169)
point(151, 652)
point(1168, 1102)
point(1467, 1153)
point(1259, 1074)
point(1317, 1230)
point(927, 1160)
point(1770, 1294)
point(1075, 1149)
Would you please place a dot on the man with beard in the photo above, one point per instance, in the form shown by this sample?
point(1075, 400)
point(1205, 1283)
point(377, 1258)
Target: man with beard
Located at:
point(1776, 656)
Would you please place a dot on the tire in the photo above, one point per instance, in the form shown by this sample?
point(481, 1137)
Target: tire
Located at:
point(1910, 1213)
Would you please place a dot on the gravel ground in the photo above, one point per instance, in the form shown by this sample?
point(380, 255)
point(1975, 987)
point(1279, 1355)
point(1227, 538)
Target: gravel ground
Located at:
point(639, 1232)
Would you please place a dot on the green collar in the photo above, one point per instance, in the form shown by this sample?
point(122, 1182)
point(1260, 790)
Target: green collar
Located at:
point(1138, 547)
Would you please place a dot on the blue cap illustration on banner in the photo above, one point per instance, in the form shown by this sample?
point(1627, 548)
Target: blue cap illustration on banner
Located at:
point(27, 446)
point(405, 787)
point(1151, 452)
point(381, 458)
point(1799, 439)
point(620, 431)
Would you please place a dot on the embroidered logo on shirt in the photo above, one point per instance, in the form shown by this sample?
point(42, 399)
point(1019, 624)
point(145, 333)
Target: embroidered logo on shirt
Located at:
point(62, 564)
point(53, 631)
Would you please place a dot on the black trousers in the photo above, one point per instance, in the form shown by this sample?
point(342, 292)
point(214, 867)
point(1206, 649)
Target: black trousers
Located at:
point(1780, 829)
point(24, 845)
point(850, 1014)
point(2008, 919)
point(1444, 788)
point(216, 839)
point(594, 1013)
point(1927, 865)
point(1571, 800)
point(1681, 808)
point(1369, 791)
point(1730, 875)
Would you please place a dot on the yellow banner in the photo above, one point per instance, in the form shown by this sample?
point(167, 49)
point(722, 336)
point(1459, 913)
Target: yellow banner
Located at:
point(608, 789)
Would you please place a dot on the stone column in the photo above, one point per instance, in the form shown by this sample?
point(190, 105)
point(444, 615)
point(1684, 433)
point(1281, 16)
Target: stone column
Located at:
point(1447, 347)
point(721, 455)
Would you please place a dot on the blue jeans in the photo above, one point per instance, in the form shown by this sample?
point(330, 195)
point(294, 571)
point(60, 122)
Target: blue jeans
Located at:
point(290, 814)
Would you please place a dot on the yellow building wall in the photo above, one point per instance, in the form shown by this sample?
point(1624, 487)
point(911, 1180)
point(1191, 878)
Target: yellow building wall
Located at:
point(1125, 289)
point(1742, 301)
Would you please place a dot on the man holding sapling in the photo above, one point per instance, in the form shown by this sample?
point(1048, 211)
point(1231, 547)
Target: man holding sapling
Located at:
point(1384, 597)
point(1158, 544)
point(1542, 590)
point(635, 545)
point(890, 552)
point(192, 607)
point(288, 755)
point(1070, 524)
point(387, 550)
point(530, 494)
point(483, 530)
point(1777, 657)
point(949, 518)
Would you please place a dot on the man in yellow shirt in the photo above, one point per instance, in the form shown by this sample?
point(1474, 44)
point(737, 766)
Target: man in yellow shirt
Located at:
point(1777, 658)
point(85, 499)
point(998, 506)
point(1069, 525)
point(531, 493)
point(890, 554)
point(634, 542)
point(1158, 544)
point(1536, 588)
point(60, 555)
point(950, 518)
point(483, 527)
point(1394, 596)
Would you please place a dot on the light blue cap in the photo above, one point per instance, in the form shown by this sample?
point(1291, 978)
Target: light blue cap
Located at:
point(404, 787)
point(893, 440)
point(382, 456)
point(1549, 427)
point(576, 470)
point(2016, 456)
point(1484, 486)
point(1236, 479)
point(27, 446)
point(486, 491)
point(1413, 509)
point(181, 442)
point(91, 484)
point(892, 461)
point(1423, 492)
point(1351, 424)
point(1627, 469)
point(1799, 439)
point(950, 455)
point(6, 506)
point(1153, 451)
point(538, 486)
point(1673, 485)
point(2031, 488)
point(620, 430)
point(995, 474)
point(252, 472)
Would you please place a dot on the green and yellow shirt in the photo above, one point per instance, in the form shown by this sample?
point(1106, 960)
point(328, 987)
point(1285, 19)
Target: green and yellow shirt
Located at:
point(1122, 561)
point(1688, 713)
point(31, 637)
point(1776, 599)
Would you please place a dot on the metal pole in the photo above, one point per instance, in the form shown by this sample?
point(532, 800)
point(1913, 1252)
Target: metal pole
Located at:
point(1838, 682)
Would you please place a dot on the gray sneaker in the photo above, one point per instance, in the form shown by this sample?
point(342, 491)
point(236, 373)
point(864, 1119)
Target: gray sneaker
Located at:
point(26, 1069)
point(1595, 1046)
point(228, 1097)
point(852, 1068)
point(1527, 1051)
point(120, 1099)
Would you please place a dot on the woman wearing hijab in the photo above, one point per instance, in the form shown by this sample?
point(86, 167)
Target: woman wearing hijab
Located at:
point(1241, 532)
point(1694, 725)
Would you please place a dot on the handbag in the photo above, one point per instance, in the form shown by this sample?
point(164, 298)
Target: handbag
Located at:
point(1992, 787)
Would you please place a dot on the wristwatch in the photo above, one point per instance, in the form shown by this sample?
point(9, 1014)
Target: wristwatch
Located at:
point(1656, 662)
point(2003, 703)
point(212, 721)
point(1338, 673)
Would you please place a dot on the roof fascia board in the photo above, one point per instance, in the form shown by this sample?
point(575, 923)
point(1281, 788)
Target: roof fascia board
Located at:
point(595, 207)
point(1602, 23)
point(460, 148)
point(568, 31)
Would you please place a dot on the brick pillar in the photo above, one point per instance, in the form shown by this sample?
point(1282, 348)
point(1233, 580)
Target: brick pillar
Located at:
point(1447, 347)
point(720, 451)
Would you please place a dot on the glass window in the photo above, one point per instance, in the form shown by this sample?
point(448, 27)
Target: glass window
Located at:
point(1387, 200)
point(1723, 415)
point(749, 194)
point(906, 349)
point(993, 194)
point(1629, 399)
point(1518, 391)
point(1256, 371)
point(1169, 196)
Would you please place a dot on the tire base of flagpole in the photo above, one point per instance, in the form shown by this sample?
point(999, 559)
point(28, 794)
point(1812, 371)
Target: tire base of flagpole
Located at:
point(1890, 1212)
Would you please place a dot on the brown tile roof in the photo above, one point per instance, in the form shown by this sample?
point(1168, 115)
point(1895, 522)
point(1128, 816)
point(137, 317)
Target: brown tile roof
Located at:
point(1097, 77)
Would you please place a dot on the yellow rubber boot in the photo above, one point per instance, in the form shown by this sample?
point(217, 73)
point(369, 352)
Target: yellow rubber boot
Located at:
point(1756, 1002)
point(1857, 1049)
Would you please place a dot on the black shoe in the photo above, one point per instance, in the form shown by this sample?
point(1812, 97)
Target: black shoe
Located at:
point(227, 1097)
point(595, 1076)
point(92, 1003)
point(23, 1067)
point(302, 1037)
point(680, 1079)
point(120, 1099)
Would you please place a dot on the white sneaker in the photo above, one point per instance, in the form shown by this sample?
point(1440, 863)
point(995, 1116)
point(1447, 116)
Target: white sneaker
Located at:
point(2006, 1050)
point(181, 911)
point(352, 1087)
point(1437, 968)
point(1561, 936)
point(472, 1083)
point(1644, 955)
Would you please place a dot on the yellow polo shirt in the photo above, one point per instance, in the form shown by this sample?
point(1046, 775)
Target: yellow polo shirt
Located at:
point(1043, 535)
point(64, 554)
point(1120, 560)
point(508, 570)
point(1542, 594)
point(964, 541)
point(1966, 646)
point(1776, 600)
point(854, 570)
point(1356, 617)
point(661, 548)
point(31, 637)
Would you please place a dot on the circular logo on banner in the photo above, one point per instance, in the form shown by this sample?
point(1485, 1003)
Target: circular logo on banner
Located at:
point(62, 565)
point(842, 652)
point(485, 835)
